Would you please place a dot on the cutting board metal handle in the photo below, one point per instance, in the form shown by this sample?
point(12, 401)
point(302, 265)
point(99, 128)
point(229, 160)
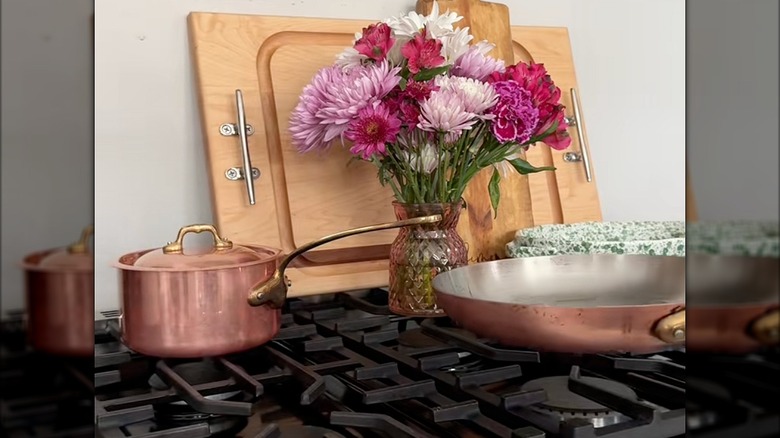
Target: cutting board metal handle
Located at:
point(243, 130)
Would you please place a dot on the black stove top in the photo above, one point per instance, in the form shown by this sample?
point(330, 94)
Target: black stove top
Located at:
point(40, 395)
point(349, 368)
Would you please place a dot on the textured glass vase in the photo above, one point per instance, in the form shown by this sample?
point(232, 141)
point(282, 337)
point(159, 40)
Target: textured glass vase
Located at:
point(419, 253)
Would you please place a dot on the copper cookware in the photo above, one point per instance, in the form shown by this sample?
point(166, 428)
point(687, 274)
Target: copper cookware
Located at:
point(571, 303)
point(732, 303)
point(179, 303)
point(60, 299)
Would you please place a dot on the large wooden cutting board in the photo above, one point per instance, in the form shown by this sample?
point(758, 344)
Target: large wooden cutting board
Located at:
point(302, 197)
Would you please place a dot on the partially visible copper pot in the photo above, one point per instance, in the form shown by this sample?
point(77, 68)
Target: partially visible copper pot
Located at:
point(60, 299)
point(185, 304)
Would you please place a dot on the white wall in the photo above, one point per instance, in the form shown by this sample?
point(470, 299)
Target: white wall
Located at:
point(150, 170)
point(47, 152)
point(733, 109)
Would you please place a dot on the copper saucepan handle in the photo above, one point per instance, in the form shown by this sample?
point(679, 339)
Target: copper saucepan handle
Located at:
point(82, 245)
point(671, 328)
point(766, 328)
point(273, 291)
point(176, 247)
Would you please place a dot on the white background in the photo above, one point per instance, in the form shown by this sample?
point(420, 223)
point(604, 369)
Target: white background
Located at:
point(150, 170)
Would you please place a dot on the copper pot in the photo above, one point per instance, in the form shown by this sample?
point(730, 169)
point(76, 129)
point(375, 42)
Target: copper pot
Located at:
point(60, 299)
point(186, 304)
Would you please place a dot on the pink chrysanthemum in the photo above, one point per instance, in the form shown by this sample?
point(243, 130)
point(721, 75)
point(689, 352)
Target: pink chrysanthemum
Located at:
point(372, 130)
point(444, 112)
point(334, 98)
point(477, 97)
point(516, 117)
point(476, 64)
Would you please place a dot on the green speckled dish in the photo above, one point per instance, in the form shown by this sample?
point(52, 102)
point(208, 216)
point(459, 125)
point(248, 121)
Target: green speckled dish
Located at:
point(647, 238)
point(735, 238)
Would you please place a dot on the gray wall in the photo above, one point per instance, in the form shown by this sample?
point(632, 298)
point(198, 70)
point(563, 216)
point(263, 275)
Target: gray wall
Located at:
point(733, 108)
point(47, 152)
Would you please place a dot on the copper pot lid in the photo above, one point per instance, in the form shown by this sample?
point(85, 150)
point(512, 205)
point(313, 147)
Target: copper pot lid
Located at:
point(76, 257)
point(222, 254)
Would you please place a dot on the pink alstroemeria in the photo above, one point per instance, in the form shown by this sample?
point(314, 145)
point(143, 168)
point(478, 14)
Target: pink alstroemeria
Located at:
point(370, 132)
point(376, 42)
point(422, 53)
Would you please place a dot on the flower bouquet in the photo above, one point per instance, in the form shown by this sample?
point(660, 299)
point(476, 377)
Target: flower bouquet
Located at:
point(414, 97)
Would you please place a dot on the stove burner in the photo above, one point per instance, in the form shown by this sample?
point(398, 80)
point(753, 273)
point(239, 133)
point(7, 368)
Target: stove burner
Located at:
point(566, 404)
point(415, 338)
point(308, 432)
point(195, 373)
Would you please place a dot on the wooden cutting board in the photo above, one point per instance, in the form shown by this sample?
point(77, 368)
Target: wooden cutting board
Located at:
point(303, 197)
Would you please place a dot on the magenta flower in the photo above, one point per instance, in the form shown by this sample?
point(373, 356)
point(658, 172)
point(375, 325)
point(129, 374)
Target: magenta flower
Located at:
point(422, 53)
point(376, 41)
point(372, 130)
point(515, 117)
point(545, 96)
point(333, 99)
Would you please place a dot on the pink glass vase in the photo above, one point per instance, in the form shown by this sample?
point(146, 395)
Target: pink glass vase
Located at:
point(419, 253)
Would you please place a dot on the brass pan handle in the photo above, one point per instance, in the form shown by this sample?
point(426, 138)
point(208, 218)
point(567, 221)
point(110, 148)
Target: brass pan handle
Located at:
point(671, 328)
point(766, 328)
point(176, 247)
point(82, 245)
point(273, 291)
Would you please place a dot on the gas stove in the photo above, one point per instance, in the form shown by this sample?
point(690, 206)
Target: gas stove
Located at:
point(349, 368)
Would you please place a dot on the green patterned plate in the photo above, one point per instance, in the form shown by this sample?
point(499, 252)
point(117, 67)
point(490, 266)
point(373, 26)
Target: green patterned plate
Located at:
point(649, 238)
point(735, 238)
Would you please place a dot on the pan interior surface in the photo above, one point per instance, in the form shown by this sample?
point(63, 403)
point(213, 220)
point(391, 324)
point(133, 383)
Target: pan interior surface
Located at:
point(581, 281)
point(724, 280)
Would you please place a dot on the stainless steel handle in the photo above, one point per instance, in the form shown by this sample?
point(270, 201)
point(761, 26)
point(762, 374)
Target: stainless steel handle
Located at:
point(575, 101)
point(242, 134)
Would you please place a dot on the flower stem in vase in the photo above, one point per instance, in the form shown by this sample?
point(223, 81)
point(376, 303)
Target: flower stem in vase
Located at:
point(421, 252)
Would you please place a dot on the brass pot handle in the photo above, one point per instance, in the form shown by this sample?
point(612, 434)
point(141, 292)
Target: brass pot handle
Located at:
point(273, 291)
point(766, 328)
point(176, 247)
point(671, 328)
point(82, 246)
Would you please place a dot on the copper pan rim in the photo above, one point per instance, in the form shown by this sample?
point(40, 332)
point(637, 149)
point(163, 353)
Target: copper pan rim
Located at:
point(29, 266)
point(275, 254)
point(680, 303)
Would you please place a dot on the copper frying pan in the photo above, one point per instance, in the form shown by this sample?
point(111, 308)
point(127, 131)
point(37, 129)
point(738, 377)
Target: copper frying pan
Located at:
point(571, 303)
point(732, 303)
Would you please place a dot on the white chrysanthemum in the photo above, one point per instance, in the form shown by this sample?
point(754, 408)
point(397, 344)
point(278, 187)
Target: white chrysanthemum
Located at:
point(504, 167)
point(476, 97)
point(350, 57)
point(406, 26)
point(455, 44)
point(424, 160)
point(444, 111)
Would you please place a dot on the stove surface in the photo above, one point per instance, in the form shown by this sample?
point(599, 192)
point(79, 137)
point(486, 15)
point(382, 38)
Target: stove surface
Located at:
point(349, 368)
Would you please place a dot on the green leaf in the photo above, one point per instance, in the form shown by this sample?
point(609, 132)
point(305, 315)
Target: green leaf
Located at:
point(427, 74)
point(402, 84)
point(495, 191)
point(524, 167)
